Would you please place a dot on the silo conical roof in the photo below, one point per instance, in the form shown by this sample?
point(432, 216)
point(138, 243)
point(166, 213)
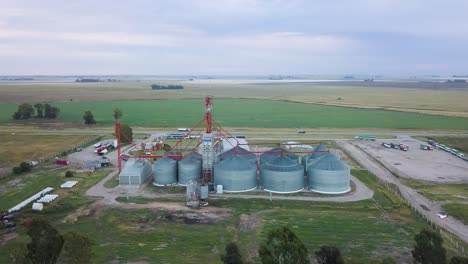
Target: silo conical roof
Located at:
point(235, 162)
point(282, 163)
point(330, 162)
point(318, 152)
point(195, 155)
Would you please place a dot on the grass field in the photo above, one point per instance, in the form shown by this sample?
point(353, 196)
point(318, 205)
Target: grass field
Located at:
point(15, 148)
point(439, 192)
point(434, 101)
point(247, 113)
point(13, 191)
point(458, 210)
point(362, 232)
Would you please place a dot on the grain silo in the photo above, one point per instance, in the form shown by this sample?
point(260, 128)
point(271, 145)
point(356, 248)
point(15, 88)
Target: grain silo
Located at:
point(236, 174)
point(329, 175)
point(165, 171)
point(282, 175)
point(240, 151)
point(190, 168)
point(136, 171)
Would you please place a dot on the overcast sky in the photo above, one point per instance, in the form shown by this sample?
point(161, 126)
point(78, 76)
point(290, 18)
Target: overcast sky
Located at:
point(234, 37)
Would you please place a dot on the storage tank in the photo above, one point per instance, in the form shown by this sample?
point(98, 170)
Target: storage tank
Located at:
point(190, 168)
point(195, 155)
point(282, 175)
point(329, 175)
point(236, 174)
point(165, 171)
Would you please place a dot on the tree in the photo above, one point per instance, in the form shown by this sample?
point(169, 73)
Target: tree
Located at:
point(76, 249)
point(25, 111)
point(68, 174)
point(126, 133)
point(51, 111)
point(283, 246)
point(459, 260)
point(89, 118)
point(39, 110)
point(232, 255)
point(329, 255)
point(117, 114)
point(46, 243)
point(428, 248)
point(25, 167)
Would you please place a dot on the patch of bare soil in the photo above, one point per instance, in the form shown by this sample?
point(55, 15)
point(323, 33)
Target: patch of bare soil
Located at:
point(7, 237)
point(248, 222)
point(92, 210)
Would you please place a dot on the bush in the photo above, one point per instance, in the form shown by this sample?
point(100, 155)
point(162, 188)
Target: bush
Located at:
point(17, 170)
point(25, 167)
point(69, 174)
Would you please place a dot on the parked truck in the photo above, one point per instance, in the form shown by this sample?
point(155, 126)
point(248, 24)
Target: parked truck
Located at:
point(426, 147)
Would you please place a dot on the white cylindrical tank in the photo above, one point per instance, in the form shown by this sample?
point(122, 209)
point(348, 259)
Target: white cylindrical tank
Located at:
point(219, 189)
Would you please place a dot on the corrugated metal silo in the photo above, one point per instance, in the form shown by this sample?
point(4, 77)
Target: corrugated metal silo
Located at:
point(329, 175)
point(282, 175)
point(236, 174)
point(165, 171)
point(190, 168)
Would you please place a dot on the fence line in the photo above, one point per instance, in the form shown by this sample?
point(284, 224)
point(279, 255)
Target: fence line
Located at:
point(69, 150)
point(447, 236)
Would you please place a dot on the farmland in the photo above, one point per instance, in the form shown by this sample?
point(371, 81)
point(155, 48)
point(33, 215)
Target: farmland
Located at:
point(247, 113)
point(403, 96)
point(359, 229)
point(18, 147)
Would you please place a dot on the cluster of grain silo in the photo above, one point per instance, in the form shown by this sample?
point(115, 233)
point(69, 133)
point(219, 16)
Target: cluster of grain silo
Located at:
point(276, 170)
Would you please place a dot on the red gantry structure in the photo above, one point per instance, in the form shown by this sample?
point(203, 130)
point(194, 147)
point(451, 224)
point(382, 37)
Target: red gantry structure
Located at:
point(210, 142)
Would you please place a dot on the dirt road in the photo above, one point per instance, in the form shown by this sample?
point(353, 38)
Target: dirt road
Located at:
point(425, 206)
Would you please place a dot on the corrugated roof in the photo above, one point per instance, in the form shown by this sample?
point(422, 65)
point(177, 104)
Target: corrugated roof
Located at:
point(235, 163)
point(240, 152)
point(282, 163)
point(229, 143)
point(329, 162)
point(165, 160)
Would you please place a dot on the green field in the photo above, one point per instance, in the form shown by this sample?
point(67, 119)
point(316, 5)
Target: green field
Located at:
point(247, 113)
point(363, 231)
point(439, 192)
point(458, 210)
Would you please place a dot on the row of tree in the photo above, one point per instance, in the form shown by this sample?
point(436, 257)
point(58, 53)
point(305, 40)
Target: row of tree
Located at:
point(282, 246)
point(167, 87)
point(26, 111)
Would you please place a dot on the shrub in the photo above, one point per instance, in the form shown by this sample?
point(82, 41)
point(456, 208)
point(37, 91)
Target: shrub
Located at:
point(17, 170)
point(69, 174)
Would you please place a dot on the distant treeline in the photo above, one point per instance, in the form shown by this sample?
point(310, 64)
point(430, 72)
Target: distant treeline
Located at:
point(166, 87)
point(91, 80)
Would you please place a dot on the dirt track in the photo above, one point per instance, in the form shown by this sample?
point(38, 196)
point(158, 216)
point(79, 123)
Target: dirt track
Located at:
point(426, 207)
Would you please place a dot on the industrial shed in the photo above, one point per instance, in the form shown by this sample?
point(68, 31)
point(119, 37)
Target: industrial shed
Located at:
point(135, 172)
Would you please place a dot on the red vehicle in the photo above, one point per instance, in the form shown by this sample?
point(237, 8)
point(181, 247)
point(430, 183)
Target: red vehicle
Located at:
point(62, 162)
